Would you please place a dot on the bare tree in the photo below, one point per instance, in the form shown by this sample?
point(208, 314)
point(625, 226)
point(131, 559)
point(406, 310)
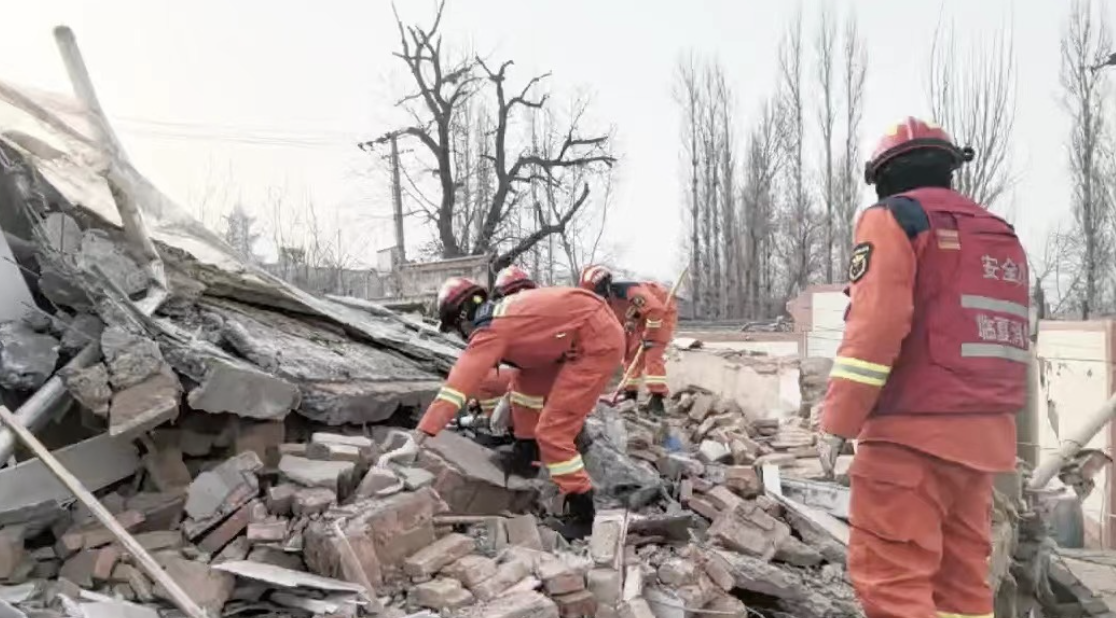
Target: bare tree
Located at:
point(973, 97)
point(854, 71)
point(240, 233)
point(763, 161)
point(687, 94)
point(799, 225)
point(825, 49)
point(1085, 42)
point(440, 89)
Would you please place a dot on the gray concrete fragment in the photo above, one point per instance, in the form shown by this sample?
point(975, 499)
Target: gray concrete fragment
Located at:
point(332, 475)
point(131, 359)
point(245, 391)
point(212, 492)
point(147, 404)
point(97, 462)
point(616, 475)
point(84, 329)
point(90, 387)
point(27, 358)
point(99, 252)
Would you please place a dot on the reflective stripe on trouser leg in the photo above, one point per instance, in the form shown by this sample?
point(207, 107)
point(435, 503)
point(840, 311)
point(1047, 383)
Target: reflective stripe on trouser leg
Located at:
point(655, 377)
point(528, 394)
point(953, 615)
point(895, 536)
point(488, 406)
point(634, 382)
point(573, 397)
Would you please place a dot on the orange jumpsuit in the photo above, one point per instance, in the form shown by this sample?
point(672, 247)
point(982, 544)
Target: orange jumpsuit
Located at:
point(566, 337)
point(648, 316)
point(921, 483)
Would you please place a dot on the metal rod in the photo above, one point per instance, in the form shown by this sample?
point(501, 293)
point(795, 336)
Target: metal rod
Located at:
point(1074, 443)
point(178, 596)
point(48, 399)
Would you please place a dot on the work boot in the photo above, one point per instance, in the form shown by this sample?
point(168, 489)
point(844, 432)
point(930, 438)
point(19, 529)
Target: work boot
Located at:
point(577, 521)
point(521, 461)
point(656, 406)
point(630, 396)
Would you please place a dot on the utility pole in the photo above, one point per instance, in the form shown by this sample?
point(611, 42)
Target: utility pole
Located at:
point(397, 197)
point(392, 137)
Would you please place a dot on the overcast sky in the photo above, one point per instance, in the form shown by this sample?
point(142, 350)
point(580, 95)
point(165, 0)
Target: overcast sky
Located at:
point(249, 96)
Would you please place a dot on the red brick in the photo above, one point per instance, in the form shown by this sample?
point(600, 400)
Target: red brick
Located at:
point(506, 576)
point(268, 532)
point(442, 593)
point(750, 530)
point(576, 604)
point(208, 588)
point(261, 437)
point(95, 535)
point(743, 480)
point(704, 508)
point(429, 560)
point(11, 551)
point(471, 570)
point(105, 562)
point(560, 578)
point(228, 530)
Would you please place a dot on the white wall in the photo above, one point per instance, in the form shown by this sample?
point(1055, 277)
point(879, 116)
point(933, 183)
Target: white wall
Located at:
point(828, 324)
point(1075, 365)
point(770, 348)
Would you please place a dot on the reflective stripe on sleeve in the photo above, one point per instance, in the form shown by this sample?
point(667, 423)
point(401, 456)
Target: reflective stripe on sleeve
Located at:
point(654, 323)
point(856, 370)
point(455, 397)
point(993, 350)
point(527, 401)
point(569, 466)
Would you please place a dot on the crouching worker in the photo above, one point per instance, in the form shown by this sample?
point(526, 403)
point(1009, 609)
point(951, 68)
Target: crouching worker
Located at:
point(565, 333)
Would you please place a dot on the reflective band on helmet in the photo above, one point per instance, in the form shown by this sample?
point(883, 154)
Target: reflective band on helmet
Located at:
point(455, 397)
point(993, 350)
point(956, 615)
point(856, 370)
point(970, 301)
point(566, 467)
point(654, 323)
point(527, 401)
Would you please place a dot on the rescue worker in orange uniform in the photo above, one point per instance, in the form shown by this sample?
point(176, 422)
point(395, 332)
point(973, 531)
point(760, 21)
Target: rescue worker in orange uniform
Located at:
point(649, 316)
point(566, 333)
point(495, 388)
point(928, 378)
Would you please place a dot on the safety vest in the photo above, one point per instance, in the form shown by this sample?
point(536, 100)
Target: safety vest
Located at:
point(967, 351)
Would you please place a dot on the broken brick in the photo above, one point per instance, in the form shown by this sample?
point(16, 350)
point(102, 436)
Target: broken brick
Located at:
point(471, 570)
point(166, 469)
point(524, 531)
point(313, 501)
point(794, 551)
point(227, 530)
point(209, 588)
point(743, 480)
point(529, 604)
point(749, 529)
point(722, 498)
point(704, 508)
point(608, 537)
point(237, 549)
point(161, 511)
point(11, 550)
point(79, 568)
point(606, 585)
point(280, 498)
point(94, 535)
point(429, 560)
point(442, 593)
point(105, 562)
point(678, 572)
point(576, 604)
point(561, 578)
point(136, 580)
point(507, 575)
point(261, 437)
point(159, 539)
point(267, 532)
point(222, 490)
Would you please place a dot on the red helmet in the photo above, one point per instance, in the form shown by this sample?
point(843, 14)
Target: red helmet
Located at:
point(512, 279)
point(908, 136)
point(453, 295)
point(595, 279)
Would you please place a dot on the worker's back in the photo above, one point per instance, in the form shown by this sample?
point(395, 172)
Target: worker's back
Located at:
point(540, 326)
